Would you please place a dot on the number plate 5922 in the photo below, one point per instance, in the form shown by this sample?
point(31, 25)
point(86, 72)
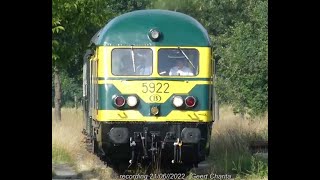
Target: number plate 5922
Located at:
point(155, 87)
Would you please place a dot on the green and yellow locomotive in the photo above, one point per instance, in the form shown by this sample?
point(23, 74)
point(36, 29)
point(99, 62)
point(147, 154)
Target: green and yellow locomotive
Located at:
point(147, 87)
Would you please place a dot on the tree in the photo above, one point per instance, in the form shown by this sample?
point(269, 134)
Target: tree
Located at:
point(79, 20)
point(244, 61)
point(56, 29)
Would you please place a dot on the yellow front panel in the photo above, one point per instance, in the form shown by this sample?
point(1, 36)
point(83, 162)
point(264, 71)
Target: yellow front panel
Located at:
point(174, 115)
point(163, 89)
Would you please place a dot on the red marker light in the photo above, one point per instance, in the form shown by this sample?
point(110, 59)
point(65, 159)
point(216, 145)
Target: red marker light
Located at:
point(190, 101)
point(119, 101)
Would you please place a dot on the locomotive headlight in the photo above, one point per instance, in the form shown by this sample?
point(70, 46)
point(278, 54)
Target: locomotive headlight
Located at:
point(132, 101)
point(177, 101)
point(154, 34)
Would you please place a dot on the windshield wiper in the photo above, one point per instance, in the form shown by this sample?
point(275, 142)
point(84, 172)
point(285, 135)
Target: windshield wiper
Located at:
point(186, 57)
point(133, 61)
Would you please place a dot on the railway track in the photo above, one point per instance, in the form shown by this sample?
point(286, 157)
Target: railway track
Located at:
point(258, 147)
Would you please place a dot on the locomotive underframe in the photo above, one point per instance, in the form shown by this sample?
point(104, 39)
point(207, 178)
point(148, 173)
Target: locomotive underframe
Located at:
point(156, 142)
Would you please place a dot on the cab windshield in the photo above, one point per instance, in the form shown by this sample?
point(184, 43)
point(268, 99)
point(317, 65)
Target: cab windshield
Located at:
point(178, 62)
point(131, 62)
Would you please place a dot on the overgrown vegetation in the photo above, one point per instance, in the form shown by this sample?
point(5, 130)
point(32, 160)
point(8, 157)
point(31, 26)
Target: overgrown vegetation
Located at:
point(230, 142)
point(60, 155)
point(67, 145)
point(238, 30)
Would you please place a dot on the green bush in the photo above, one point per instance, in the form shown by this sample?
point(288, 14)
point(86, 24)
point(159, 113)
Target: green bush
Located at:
point(60, 155)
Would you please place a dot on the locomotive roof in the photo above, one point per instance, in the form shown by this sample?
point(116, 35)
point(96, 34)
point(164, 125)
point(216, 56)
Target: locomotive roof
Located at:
point(177, 29)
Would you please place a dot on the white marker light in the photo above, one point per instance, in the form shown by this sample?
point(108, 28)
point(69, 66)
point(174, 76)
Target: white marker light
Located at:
point(177, 101)
point(132, 101)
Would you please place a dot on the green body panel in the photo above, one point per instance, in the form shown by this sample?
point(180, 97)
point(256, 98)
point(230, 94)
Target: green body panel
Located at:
point(202, 92)
point(177, 29)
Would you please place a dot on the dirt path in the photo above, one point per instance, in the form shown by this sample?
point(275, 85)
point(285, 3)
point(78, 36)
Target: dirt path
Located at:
point(64, 171)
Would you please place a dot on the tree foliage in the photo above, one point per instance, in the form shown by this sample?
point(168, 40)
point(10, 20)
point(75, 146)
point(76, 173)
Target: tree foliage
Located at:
point(81, 19)
point(243, 63)
point(56, 28)
point(74, 23)
point(119, 7)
